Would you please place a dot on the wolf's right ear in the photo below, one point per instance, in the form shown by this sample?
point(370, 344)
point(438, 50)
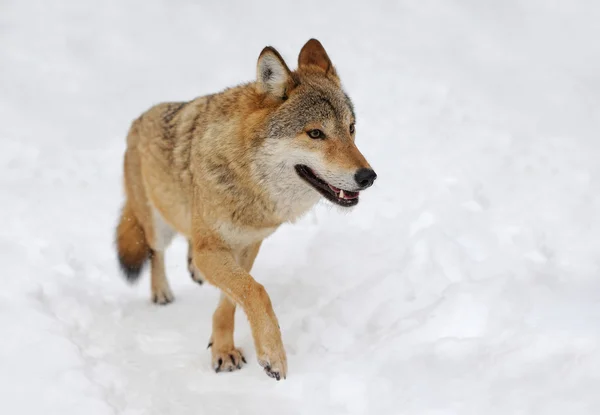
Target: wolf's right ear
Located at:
point(272, 74)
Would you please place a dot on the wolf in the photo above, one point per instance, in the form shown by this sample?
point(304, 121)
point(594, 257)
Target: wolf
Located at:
point(226, 170)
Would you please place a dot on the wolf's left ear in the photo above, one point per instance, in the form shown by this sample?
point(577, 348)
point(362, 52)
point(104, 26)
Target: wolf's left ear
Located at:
point(313, 53)
point(272, 74)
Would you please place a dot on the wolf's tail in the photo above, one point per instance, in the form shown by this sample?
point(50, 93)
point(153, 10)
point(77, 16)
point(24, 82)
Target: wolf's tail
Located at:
point(132, 247)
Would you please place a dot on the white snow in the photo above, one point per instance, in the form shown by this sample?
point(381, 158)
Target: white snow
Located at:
point(467, 281)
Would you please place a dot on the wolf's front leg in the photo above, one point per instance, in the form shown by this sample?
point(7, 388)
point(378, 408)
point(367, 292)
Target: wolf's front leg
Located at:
point(219, 267)
point(225, 356)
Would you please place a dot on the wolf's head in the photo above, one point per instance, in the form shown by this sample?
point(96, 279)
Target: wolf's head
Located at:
point(309, 145)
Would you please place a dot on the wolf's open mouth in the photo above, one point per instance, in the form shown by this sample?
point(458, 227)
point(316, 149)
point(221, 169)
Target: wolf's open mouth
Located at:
point(340, 197)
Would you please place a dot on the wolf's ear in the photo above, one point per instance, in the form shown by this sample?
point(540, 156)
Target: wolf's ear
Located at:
point(272, 74)
point(313, 53)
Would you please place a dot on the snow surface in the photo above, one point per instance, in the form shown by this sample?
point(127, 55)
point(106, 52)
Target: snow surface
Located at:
point(465, 282)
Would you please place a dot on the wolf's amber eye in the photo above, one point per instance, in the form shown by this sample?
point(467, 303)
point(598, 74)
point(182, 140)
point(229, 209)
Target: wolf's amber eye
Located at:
point(352, 128)
point(316, 134)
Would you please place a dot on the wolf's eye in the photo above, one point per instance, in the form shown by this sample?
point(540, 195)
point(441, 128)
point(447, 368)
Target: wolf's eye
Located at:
point(316, 134)
point(352, 128)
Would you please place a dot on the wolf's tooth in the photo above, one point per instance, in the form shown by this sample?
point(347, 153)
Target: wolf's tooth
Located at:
point(341, 194)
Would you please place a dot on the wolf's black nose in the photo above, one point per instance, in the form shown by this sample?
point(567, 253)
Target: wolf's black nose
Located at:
point(365, 177)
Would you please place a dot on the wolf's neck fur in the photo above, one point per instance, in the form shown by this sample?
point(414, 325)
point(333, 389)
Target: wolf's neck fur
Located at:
point(290, 195)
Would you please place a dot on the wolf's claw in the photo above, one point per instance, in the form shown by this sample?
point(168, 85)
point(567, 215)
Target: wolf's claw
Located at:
point(227, 361)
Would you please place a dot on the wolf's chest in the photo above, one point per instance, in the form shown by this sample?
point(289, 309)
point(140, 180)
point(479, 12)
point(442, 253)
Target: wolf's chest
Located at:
point(239, 236)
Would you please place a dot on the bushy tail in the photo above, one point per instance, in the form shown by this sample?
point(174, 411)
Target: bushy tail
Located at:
point(132, 248)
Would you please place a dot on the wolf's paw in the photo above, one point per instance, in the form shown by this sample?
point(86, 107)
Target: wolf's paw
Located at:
point(195, 274)
point(274, 364)
point(270, 351)
point(162, 296)
point(227, 359)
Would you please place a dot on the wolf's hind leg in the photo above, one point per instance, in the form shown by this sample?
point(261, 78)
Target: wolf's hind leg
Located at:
point(161, 236)
point(194, 272)
point(161, 291)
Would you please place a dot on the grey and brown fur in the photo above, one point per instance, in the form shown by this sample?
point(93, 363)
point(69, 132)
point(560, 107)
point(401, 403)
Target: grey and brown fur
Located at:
point(222, 170)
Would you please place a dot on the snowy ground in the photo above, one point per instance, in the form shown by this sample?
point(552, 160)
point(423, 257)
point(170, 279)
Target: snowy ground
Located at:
point(466, 282)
